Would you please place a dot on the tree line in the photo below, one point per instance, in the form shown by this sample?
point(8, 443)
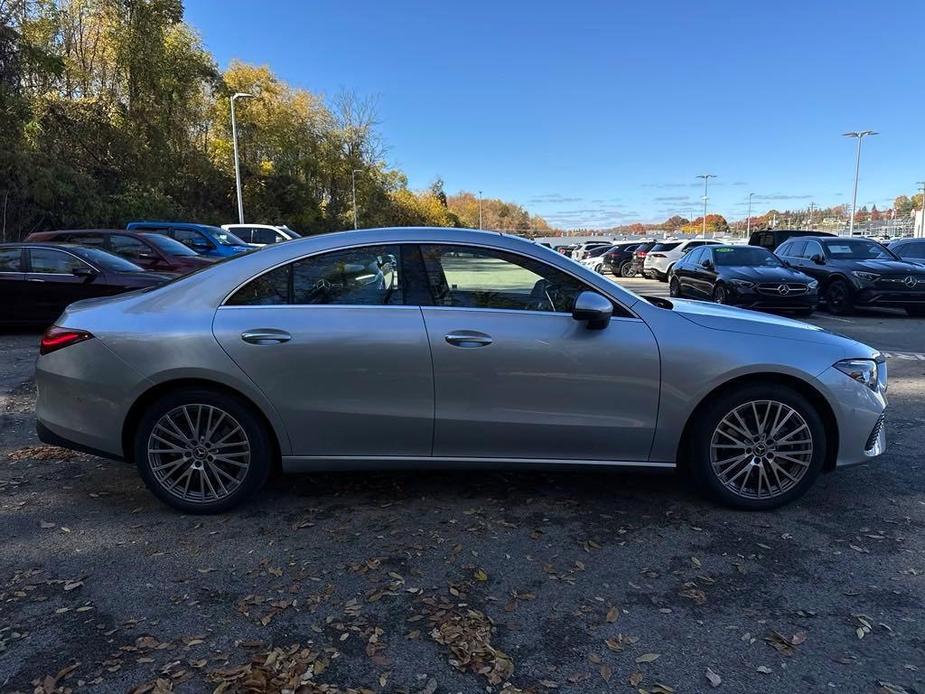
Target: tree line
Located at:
point(113, 110)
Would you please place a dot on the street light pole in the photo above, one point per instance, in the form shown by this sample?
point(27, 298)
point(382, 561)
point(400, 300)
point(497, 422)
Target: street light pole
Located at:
point(480, 209)
point(237, 163)
point(353, 186)
point(922, 228)
point(860, 135)
point(706, 179)
point(748, 231)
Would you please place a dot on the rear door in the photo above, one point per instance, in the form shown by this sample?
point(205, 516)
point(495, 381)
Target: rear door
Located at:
point(685, 270)
point(13, 308)
point(516, 377)
point(346, 363)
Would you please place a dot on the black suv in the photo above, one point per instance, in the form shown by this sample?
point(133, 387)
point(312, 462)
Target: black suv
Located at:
point(857, 272)
point(619, 259)
point(772, 238)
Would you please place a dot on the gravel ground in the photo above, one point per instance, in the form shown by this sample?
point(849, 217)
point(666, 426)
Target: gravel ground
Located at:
point(424, 581)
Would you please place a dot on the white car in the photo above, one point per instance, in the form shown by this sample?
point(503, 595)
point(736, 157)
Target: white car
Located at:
point(261, 234)
point(663, 255)
point(586, 247)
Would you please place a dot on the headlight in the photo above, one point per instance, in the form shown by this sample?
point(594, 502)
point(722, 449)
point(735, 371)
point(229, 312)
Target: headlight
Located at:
point(866, 276)
point(865, 371)
point(744, 284)
point(813, 284)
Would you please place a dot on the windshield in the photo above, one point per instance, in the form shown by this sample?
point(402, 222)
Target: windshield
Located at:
point(751, 256)
point(225, 238)
point(107, 261)
point(169, 246)
point(860, 249)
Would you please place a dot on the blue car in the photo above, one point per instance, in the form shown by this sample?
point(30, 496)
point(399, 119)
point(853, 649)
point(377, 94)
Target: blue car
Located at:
point(205, 239)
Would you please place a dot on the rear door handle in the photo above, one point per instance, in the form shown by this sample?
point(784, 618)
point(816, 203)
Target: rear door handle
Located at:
point(265, 336)
point(468, 338)
point(34, 279)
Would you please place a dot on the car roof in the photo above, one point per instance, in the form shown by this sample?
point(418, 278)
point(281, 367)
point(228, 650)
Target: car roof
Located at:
point(42, 244)
point(145, 223)
point(87, 231)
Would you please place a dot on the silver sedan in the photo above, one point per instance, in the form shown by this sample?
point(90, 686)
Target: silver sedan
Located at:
point(420, 347)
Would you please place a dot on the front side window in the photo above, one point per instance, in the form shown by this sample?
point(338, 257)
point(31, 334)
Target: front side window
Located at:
point(193, 239)
point(812, 249)
point(128, 247)
point(692, 258)
point(794, 249)
point(367, 276)
point(470, 277)
point(51, 262)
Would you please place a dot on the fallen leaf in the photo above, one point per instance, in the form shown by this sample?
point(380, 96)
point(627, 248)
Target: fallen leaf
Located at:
point(612, 614)
point(714, 679)
point(647, 657)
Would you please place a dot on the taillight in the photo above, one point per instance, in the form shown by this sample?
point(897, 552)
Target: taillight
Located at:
point(56, 338)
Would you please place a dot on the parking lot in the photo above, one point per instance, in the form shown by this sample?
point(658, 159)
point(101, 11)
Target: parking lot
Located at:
point(435, 581)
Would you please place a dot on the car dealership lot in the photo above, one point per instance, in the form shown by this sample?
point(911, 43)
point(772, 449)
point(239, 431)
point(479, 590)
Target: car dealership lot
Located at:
point(388, 580)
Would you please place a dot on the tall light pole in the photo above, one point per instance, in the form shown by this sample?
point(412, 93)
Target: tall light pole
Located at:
point(706, 179)
point(860, 135)
point(922, 227)
point(480, 209)
point(749, 229)
point(353, 186)
point(237, 163)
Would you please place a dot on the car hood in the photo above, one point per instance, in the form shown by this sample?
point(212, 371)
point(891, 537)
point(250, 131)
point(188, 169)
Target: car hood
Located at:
point(881, 267)
point(738, 320)
point(763, 274)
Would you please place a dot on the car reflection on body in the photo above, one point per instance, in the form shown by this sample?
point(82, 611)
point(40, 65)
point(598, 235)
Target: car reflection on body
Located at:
point(471, 348)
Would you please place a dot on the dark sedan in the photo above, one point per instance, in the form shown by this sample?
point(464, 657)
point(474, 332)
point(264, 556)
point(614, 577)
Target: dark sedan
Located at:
point(619, 259)
point(746, 276)
point(858, 272)
point(912, 250)
point(38, 280)
point(149, 251)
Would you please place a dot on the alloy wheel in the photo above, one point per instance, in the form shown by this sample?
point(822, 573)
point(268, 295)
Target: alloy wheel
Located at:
point(720, 296)
point(674, 287)
point(626, 270)
point(198, 453)
point(761, 449)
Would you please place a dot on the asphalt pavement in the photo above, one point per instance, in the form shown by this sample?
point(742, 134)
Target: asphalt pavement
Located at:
point(435, 581)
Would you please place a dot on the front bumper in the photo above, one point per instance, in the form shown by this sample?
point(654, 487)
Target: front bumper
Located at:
point(757, 298)
point(860, 417)
point(871, 296)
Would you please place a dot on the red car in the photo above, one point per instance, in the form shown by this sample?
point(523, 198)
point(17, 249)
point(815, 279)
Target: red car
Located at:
point(150, 251)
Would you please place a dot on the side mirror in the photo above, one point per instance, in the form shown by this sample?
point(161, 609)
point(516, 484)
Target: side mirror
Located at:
point(593, 308)
point(707, 264)
point(818, 259)
point(200, 246)
point(85, 272)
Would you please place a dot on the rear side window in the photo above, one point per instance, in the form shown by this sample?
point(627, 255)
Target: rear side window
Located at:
point(367, 276)
point(693, 257)
point(10, 259)
point(665, 246)
point(95, 240)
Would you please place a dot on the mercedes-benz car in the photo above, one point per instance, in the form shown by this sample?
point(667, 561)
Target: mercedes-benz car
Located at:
point(419, 347)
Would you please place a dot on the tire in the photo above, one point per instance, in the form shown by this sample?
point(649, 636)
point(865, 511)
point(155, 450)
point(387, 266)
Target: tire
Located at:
point(838, 298)
point(721, 295)
point(626, 270)
point(915, 311)
point(223, 481)
point(674, 288)
point(774, 481)
point(599, 268)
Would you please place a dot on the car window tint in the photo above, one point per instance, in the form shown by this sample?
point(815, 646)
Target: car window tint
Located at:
point(916, 249)
point(470, 277)
point(812, 248)
point(128, 246)
point(9, 259)
point(51, 262)
point(359, 276)
point(261, 236)
point(95, 240)
point(269, 289)
point(665, 246)
point(693, 257)
point(794, 249)
point(190, 238)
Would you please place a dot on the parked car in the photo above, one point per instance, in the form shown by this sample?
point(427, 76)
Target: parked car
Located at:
point(38, 280)
point(619, 259)
point(662, 256)
point(149, 251)
point(582, 372)
point(595, 258)
point(772, 238)
point(204, 239)
point(911, 250)
point(565, 249)
point(858, 272)
point(581, 252)
point(261, 234)
point(639, 257)
point(746, 276)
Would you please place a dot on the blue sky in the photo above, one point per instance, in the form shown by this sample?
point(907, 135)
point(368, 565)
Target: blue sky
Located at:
point(600, 113)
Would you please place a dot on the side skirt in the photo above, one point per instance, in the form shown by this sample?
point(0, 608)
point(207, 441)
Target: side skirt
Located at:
point(302, 463)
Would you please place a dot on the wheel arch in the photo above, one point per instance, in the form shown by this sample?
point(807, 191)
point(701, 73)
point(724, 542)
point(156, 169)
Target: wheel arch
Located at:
point(143, 401)
point(804, 388)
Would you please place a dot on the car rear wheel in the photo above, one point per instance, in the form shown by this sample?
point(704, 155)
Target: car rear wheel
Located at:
point(626, 270)
point(838, 298)
point(757, 447)
point(202, 451)
point(674, 287)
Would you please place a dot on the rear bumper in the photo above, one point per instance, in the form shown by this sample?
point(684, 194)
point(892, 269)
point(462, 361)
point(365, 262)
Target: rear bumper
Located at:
point(46, 435)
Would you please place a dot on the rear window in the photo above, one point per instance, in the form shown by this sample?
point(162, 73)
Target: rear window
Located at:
point(666, 246)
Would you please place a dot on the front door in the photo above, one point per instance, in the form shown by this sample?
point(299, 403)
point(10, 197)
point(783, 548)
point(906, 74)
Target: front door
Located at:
point(346, 364)
point(516, 377)
point(14, 304)
point(54, 279)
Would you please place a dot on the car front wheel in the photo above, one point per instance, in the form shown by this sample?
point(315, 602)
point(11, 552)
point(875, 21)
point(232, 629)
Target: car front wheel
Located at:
point(838, 298)
point(674, 287)
point(757, 447)
point(202, 451)
point(626, 270)
point(720, 294)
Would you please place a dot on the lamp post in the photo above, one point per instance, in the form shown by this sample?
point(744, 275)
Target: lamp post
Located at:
point(706, 179)
point(922, 225)
point(748, 230)
point(860, 135)
point(353, 186)
point(237, 163)
point(480, 209)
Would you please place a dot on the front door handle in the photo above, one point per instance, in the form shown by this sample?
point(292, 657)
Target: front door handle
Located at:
point(468, 338)
point(265, 336)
